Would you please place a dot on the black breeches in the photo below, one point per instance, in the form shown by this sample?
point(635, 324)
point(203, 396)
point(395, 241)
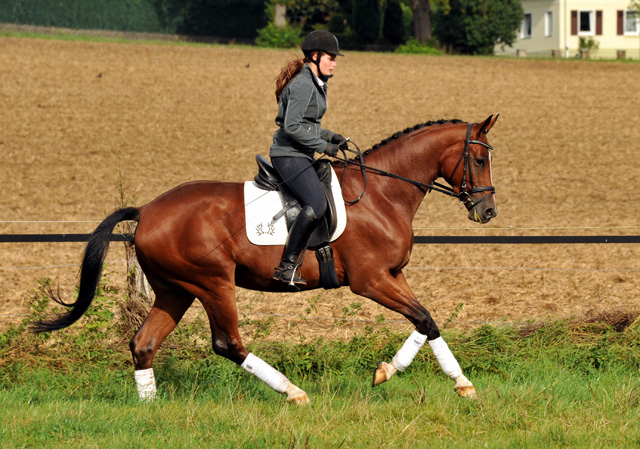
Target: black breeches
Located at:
point(301, 178)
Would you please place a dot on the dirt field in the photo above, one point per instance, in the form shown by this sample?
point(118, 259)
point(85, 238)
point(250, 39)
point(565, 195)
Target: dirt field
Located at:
point(73, 116)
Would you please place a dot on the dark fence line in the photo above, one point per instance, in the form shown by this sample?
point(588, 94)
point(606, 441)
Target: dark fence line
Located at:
point(528, 239)
point(58, 238)
point(420, 239)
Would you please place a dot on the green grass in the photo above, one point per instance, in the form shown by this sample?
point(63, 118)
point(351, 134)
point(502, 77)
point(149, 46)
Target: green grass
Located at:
point(556, 409)
point(540, 385)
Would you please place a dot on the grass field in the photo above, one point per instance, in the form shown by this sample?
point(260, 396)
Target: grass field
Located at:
point(552, 385)
point(576, 389)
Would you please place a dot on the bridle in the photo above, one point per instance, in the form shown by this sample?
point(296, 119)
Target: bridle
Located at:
point(464, 196)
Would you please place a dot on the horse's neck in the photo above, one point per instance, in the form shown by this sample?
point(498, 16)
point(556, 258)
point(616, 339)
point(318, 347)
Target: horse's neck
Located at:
point(415, 157)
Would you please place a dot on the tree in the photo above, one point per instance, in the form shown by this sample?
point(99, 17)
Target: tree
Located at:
point(366, 19)
point(392, 27)
point(308, 13)
point(422, 17)
point(477, 26)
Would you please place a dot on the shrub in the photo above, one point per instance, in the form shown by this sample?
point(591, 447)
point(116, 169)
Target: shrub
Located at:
point(413, 46)
point(275, 37)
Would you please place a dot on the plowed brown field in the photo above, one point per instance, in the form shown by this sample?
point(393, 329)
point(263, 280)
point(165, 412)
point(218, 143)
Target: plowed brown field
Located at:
point(76, 115)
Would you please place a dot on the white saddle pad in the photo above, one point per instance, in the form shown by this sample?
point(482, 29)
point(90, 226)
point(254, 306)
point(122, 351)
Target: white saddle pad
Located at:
point(261, 206)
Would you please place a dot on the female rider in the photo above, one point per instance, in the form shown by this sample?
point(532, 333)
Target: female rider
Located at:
point(301, 92)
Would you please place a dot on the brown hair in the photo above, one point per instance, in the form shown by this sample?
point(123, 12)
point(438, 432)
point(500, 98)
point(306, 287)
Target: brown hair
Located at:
point(287, 73)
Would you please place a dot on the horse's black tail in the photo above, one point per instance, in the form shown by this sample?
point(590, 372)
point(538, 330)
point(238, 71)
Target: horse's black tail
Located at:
point(91, 271)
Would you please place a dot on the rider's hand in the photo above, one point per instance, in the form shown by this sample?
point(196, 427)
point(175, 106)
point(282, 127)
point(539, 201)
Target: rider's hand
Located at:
point(339, 140)
point(332, 149)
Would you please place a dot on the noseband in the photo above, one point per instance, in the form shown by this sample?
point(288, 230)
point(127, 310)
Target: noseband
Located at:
point(464, 196)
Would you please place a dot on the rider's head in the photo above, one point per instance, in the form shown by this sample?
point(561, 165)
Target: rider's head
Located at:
point(321, 48)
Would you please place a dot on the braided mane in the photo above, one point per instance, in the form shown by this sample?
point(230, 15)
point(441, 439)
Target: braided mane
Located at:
point(409, 130)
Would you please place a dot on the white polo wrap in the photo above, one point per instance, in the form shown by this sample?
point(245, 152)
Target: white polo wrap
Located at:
point(408, 351)
point(266, 373)
point(445, 358)
point(146, 383)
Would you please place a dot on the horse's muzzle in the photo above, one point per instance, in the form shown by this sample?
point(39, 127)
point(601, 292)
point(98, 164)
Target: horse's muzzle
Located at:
point(481, 214)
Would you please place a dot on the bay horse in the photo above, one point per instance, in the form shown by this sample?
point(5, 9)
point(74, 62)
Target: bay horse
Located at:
point(191, 243)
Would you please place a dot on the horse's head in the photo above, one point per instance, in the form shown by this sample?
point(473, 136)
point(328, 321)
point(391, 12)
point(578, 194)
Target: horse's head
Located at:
point(467, 168)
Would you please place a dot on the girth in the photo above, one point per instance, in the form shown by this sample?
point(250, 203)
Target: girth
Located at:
point(269, 179)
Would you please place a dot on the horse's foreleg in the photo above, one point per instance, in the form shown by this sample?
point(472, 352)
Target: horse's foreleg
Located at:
point(443, 354)
point(395, 294)
point(451, 368)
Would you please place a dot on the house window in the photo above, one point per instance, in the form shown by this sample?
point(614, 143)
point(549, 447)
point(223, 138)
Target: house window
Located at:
point(589, 23)
point(525, 29)
point(548, 23)
point(586, 25)
point(631, 23)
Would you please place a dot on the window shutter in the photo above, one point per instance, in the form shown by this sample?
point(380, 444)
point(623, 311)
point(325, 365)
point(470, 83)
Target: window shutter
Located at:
point(574, 22)
point(599, 23)
point(620, 22)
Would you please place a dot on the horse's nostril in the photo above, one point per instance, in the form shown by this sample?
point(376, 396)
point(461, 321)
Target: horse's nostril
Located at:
point(490, 213)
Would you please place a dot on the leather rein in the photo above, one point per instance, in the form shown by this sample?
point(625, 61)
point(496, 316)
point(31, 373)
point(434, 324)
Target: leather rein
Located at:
point(464, 196)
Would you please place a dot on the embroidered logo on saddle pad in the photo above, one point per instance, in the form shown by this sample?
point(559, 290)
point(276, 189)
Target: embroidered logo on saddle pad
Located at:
point(265, 222)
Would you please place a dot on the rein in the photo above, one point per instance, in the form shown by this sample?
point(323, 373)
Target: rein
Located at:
point(464, 196)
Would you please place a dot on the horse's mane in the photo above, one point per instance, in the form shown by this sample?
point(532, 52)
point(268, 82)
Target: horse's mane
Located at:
point(407, 131)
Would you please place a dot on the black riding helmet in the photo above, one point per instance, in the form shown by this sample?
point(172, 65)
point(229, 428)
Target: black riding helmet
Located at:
point(320, 41)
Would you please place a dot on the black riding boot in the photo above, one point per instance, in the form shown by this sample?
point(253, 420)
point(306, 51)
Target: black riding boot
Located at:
point(297, 240)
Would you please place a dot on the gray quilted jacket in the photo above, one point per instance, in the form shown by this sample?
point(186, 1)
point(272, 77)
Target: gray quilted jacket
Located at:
point(303, 102)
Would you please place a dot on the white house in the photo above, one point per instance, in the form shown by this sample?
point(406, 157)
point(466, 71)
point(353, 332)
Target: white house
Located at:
point(554, 28)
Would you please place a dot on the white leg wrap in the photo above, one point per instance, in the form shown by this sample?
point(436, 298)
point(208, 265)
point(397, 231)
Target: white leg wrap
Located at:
point(146, 383)
point(266, 373)
point(408, 351)
point(445, 358)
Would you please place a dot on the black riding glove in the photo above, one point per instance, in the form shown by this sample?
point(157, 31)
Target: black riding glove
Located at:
point(332, 149)
point(339, 140)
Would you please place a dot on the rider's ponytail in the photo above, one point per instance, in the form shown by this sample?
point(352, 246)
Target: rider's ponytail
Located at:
point(287, 74)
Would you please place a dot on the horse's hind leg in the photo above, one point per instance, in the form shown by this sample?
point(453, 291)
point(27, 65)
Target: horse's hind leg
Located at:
point(167, 310)
point(223, 316)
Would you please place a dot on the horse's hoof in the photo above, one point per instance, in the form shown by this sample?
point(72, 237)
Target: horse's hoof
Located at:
point(302, 399)
point(383, 373)
point(466, 391)
point(296, 396)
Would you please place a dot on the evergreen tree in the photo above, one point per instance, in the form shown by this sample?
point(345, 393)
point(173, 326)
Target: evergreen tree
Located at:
point(393, 28)
point(366, 20)
point(477, 26)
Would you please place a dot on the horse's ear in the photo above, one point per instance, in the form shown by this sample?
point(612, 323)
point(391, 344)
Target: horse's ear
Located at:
point(488, 124)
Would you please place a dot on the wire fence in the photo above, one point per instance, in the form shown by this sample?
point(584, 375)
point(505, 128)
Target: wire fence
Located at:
point(440, 239)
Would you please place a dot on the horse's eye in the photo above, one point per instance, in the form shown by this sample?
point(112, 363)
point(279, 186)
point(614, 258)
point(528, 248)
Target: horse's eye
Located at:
point(481, 162)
